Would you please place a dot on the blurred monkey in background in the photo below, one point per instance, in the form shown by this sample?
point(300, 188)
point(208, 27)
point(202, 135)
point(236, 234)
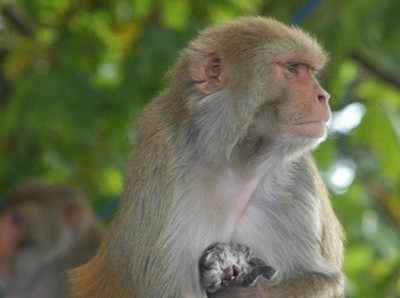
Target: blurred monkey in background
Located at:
point(44, 231)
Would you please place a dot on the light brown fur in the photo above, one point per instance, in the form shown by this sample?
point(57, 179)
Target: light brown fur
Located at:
point(224, 124)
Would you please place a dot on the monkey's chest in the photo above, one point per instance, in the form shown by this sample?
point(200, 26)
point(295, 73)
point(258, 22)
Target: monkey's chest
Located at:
point(234, 194)
point(274, 216)
point(282, 226)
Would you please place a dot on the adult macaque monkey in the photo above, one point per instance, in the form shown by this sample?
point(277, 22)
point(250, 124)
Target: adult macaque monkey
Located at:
point(44, 231)
point(223, 156)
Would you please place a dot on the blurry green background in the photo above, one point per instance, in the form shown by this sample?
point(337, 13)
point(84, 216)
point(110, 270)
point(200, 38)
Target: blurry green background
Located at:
point(75, 74)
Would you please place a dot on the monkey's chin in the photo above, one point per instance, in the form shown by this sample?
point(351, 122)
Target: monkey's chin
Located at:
point(304, 137)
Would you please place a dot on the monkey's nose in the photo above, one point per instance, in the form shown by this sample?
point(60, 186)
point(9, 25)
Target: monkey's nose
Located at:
point(323, 96)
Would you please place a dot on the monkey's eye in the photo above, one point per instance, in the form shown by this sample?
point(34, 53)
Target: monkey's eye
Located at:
point(16, 219)
point(295, 67)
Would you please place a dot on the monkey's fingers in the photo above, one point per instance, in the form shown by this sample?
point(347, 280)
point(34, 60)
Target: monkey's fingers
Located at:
point(259, 269)
point(267, 272)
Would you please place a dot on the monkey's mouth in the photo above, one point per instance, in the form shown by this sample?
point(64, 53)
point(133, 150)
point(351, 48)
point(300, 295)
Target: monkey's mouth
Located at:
point(312, 129)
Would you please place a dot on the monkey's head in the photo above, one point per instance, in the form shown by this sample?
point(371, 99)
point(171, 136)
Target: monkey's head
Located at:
point(267, 72)
point(41, 222)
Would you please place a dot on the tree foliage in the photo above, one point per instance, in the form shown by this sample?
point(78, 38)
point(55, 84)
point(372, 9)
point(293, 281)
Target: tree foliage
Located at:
point(75, 74)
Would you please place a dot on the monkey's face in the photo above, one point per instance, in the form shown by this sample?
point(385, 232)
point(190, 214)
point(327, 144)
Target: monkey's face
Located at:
point(10, 234)
point(272, 85)
point(303, 110)
point(36, 226)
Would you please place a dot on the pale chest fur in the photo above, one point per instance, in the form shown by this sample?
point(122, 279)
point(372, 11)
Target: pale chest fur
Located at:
point(273, 214)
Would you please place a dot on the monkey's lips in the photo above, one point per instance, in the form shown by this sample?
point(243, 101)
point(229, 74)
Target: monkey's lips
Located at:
point(312, 129)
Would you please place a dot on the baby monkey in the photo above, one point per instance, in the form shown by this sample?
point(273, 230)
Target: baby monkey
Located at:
point(226, 265)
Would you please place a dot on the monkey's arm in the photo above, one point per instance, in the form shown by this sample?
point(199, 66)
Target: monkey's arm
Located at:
point(308, 285)
point(331, 248)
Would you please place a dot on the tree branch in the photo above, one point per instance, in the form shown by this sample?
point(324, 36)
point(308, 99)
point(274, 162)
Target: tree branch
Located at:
point(25, 27)
point(19, 21)
point(4, 83)
point(377, 70)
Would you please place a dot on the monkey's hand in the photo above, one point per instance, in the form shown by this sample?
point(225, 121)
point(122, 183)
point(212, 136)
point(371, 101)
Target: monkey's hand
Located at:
point(225, 265)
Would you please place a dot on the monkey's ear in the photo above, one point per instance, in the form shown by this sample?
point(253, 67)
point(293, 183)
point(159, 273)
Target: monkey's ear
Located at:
point(208, 73)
